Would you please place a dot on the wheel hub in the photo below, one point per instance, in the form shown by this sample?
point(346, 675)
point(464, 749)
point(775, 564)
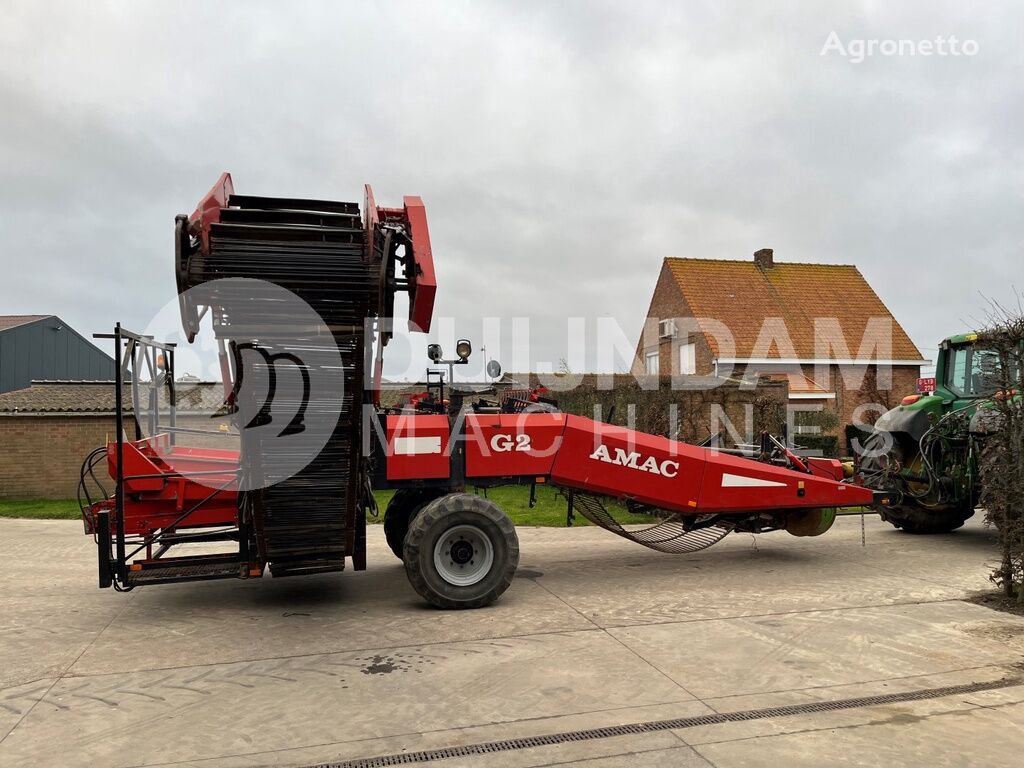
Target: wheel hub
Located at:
point(463, 555)
point(461, 552)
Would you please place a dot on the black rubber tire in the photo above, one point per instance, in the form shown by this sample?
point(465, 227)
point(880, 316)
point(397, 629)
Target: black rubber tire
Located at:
point(911, 517)
point(922, 521)
point(432, 522)
point(403, 507)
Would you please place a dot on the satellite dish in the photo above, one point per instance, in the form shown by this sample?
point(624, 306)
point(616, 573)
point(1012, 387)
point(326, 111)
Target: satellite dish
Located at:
point(493, 369)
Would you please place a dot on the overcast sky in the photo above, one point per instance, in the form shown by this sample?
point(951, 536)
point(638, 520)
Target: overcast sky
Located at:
point(562, 148)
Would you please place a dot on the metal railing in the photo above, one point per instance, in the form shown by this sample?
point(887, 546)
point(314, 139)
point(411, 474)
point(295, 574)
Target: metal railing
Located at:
point(132, 351)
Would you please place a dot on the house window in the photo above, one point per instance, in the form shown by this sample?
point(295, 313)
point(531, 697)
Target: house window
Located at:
point(651, 363)
point(688, 359)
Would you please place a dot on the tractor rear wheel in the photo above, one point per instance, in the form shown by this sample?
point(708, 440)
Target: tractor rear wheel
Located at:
point(403, 507)
point(910, 516)
point(922, 520)
point(461, 551)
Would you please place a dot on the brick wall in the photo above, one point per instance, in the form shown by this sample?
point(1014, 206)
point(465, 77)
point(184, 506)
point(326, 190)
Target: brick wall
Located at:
point(41, 456)
point(873, 390)
point(668, 303)
point(870, 389)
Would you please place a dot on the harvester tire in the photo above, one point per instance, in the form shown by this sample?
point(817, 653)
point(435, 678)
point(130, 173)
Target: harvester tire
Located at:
point(403, 507)
point(461, 551)
point(911, 517)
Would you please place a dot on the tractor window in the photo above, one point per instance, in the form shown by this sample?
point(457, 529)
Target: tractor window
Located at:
point(973, 372)
point(956, 370)
point(984, 372)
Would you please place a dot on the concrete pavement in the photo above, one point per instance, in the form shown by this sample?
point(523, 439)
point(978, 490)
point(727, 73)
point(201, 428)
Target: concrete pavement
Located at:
point(595, 632)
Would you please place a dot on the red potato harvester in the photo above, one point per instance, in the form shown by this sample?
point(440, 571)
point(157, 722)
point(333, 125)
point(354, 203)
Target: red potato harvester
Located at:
point(181, 513)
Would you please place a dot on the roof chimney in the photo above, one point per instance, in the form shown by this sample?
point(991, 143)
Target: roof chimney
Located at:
point(763, 258)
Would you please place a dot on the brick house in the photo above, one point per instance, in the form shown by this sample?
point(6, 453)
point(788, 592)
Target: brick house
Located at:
point(821, 326)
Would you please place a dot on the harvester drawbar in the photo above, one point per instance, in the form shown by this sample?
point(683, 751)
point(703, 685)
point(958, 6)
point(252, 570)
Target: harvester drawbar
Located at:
point(300, 296)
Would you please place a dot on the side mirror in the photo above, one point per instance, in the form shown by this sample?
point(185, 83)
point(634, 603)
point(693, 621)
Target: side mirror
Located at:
point(434, 352)
point(493, 369)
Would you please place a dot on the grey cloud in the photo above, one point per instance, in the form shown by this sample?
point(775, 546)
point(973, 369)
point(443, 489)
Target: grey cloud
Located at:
point(563, 149)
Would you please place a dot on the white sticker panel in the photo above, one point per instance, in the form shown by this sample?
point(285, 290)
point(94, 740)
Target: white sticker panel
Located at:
point(416, 446)
point(742, 481)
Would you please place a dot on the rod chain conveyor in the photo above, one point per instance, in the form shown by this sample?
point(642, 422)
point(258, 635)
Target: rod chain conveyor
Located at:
point(675, 534)
point(302, 521)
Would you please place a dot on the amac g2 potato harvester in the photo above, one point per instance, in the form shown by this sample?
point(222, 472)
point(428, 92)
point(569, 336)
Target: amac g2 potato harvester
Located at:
point(460, 550)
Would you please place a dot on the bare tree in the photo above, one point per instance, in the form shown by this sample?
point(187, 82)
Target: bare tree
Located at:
point(1000, 423)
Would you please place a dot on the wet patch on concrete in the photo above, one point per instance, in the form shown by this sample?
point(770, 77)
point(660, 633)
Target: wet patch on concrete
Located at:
point(528, 573)
point(381, 665)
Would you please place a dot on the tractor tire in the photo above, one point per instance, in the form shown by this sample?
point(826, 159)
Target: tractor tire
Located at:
point(403, 507)
point(461, 551)
point(911, 517)
point(923, 521)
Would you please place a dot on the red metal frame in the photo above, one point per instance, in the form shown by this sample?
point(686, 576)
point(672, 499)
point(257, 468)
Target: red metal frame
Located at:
point(207, 212)
point(590, 456)
point(424, 282)
point(570, 451)
point(160, 484)
point(420, 271)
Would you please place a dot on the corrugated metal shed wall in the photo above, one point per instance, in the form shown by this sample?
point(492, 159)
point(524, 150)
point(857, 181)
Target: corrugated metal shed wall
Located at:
point(49, 349)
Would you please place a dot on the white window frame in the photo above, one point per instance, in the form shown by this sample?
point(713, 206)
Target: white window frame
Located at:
point(648, 358)
point(688, 359)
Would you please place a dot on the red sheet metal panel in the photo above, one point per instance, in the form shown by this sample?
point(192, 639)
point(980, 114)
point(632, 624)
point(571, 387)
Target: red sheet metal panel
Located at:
point(417, 447)
point(830, 468)
point(616, 461)
point(512, 444)
point(421, 300)
point(208, 210)
point(158, 488)
point(736, 484)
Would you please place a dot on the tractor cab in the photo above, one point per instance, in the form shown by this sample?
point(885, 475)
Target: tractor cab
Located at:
point(966, 371)
point(966, 374)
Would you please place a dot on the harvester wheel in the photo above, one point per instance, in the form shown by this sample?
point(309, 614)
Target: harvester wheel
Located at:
point(461, 551)
point(403, 507)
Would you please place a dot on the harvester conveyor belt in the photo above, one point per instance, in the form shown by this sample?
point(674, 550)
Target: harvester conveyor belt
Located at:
point(303, 521)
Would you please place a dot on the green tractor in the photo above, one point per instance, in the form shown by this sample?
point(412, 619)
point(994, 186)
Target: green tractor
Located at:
point(924, 452)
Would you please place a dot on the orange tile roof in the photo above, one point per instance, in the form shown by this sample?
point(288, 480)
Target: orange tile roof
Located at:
point(799, 384)
point(741, 295)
